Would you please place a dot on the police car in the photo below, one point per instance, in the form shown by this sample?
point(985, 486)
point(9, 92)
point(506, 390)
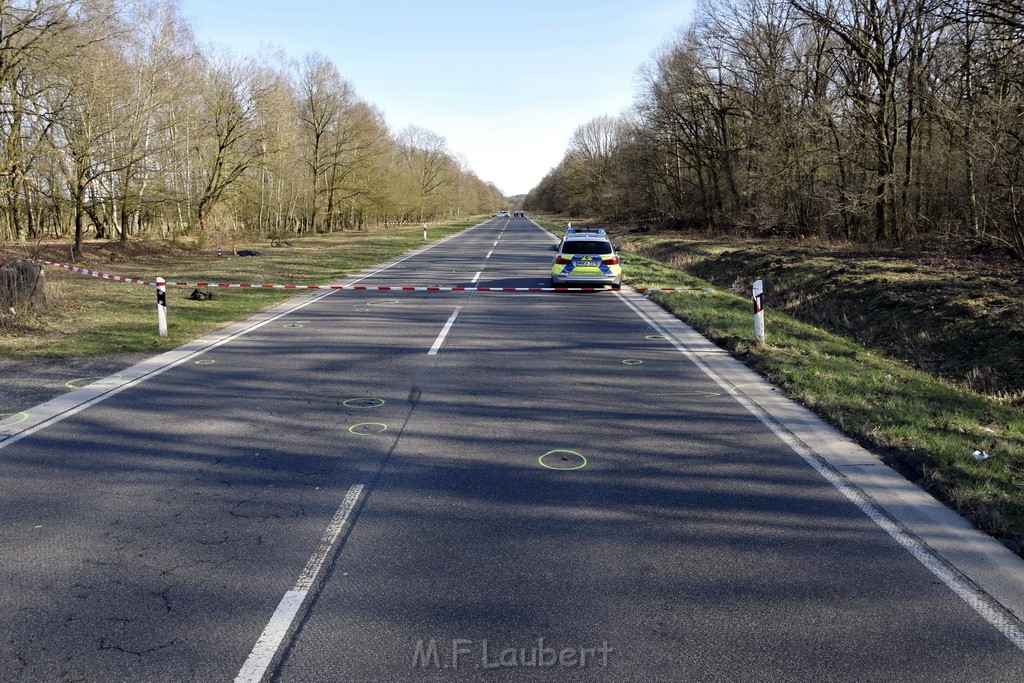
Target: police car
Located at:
point(585, 257)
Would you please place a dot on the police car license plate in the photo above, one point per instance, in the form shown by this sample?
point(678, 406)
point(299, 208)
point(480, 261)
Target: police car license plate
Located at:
point(586, 262)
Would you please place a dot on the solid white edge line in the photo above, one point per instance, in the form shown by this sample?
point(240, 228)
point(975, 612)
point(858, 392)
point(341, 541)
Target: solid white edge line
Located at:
point(268, 645)
point(977, 599)
point(444, 333)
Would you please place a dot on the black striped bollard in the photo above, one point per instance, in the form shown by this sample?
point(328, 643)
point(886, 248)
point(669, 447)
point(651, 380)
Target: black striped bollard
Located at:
point(161, 306)
point(758, 296)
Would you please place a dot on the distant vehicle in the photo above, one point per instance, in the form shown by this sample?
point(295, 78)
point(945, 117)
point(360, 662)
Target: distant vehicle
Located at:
point(504, 213)
point(585, 257)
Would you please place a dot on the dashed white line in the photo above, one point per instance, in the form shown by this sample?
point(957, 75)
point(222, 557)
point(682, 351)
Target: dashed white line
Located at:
point(495, 243)
point(476, 278)
point(444, 333)
point(489, 254)
point(269, 643)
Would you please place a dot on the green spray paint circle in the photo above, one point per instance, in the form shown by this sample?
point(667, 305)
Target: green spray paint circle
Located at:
point(632, 361)
point(773, 393)
point(22, 416)
point(368, 428)
point(363, 402)
point(77, 383)
point(205, 362)
point(563, 460)
point(738, 389)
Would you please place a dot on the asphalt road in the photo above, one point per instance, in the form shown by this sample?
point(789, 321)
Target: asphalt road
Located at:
point(454, 486)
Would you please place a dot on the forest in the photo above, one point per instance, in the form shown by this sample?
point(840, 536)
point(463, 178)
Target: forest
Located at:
point(865, 121)
point(115, 124)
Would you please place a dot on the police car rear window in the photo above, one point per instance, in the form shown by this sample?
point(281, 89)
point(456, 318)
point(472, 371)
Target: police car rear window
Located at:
point(586, 247)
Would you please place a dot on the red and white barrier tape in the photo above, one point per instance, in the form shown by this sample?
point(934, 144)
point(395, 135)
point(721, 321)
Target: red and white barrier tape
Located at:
point(357, 288)
point(95, 273)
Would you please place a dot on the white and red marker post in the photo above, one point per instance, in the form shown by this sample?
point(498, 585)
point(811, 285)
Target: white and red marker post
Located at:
point(161, 306)
point(758, 296)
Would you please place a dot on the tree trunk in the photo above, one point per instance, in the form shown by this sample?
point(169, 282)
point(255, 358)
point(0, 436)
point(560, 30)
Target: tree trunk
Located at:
point(79, 201)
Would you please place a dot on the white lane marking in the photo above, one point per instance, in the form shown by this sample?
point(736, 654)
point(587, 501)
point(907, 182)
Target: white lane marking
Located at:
point(269, 643)
point(973, 596)
point(476, 278)
point(495, 243)
point(489, 254)
point(444, 333)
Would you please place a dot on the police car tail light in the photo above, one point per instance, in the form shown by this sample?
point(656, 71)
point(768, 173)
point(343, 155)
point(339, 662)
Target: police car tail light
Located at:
point(562, 261)
point(613, 261)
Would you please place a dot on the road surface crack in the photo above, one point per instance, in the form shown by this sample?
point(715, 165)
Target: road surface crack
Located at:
point(108, 645)
point(166, 598)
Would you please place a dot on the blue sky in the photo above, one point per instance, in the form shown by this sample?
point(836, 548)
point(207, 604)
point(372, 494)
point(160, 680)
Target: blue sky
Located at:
point(505, 83)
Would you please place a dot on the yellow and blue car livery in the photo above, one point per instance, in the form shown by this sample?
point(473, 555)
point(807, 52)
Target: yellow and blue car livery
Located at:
point(585, 257)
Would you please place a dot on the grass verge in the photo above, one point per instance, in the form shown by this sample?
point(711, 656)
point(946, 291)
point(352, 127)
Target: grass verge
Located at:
point(89, 316)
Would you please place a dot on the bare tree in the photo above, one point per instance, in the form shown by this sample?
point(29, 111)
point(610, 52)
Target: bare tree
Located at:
point(425, 156)
point(155, 53)
point(86, 112)
point(232, 139)
point(875, 33)
point(33, 39)
point(324, 97)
